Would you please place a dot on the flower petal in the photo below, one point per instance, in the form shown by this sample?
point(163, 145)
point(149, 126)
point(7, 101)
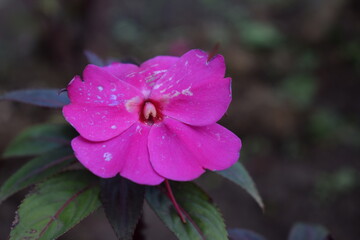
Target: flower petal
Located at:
point(169, 152)
point(180, 152)
point(145, 76)
point(100, 88)
point(194, 90)
point(102, 106)
point(99, 123)
point(153, 69)
point(99, 157)
point(126, 154)
point(217, 147)
point(135, 150)
point(125, 71)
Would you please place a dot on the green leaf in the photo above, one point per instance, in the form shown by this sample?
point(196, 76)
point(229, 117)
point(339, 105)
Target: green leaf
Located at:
point(40, 139)
point(36, 170)
point(238, 174)
point(243, 234)
point(52, 98)
point(123, 203)
point(204, 221)
point(303, 231)
point(55, 206)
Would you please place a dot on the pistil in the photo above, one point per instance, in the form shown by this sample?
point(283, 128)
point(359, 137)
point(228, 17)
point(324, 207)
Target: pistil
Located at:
point(149, 111)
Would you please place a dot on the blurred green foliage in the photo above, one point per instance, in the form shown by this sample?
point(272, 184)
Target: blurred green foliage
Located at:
point(259, 35)
point(300, 89)
point(330, 186)
point(127, 31)
point(352, 53)
point(49, 7)
point(330, 127)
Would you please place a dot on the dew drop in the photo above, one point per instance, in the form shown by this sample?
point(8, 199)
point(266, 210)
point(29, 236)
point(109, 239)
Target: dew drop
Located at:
point(107, 156)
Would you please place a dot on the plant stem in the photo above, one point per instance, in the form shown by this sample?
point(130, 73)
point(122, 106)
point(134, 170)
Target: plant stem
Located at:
point(173, 200)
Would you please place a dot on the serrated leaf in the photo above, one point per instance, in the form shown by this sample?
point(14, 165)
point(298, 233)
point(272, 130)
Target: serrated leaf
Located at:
point(204, 221)
point(244, 234)
point(40, 139)
point(123, 203)
point(36, 170)
point(238, 174)
point(303, 231)
point(55, 206)
point(41, 97)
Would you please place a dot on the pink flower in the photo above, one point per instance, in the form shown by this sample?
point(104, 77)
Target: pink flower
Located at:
point(155, 121)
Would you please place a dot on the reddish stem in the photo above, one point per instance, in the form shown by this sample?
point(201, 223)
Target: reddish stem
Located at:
point(173, 200)
point(213, 51)
point(46, 166)
point(194, 223)
point(61, 209)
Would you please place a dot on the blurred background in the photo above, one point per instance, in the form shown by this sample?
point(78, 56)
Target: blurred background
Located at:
point(295, 66)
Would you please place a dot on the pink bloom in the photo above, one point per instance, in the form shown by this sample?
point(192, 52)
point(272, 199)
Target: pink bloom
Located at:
point(155, 121)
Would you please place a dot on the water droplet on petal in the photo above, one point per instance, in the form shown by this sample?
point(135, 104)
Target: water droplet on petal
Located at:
point(107, 156)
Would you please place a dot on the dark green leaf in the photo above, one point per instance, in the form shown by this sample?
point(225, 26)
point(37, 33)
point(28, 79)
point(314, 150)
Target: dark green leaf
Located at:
point(36, 170)
point(94, 59)
point(55, 206)
point(40, 97)
point(123, 203)
point(303, 231)
point(204, 221)
point(40, 139)
point(238, 174)
point(243, 234)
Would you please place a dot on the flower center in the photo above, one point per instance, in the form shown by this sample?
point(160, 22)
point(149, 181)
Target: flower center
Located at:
point(150, 112)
